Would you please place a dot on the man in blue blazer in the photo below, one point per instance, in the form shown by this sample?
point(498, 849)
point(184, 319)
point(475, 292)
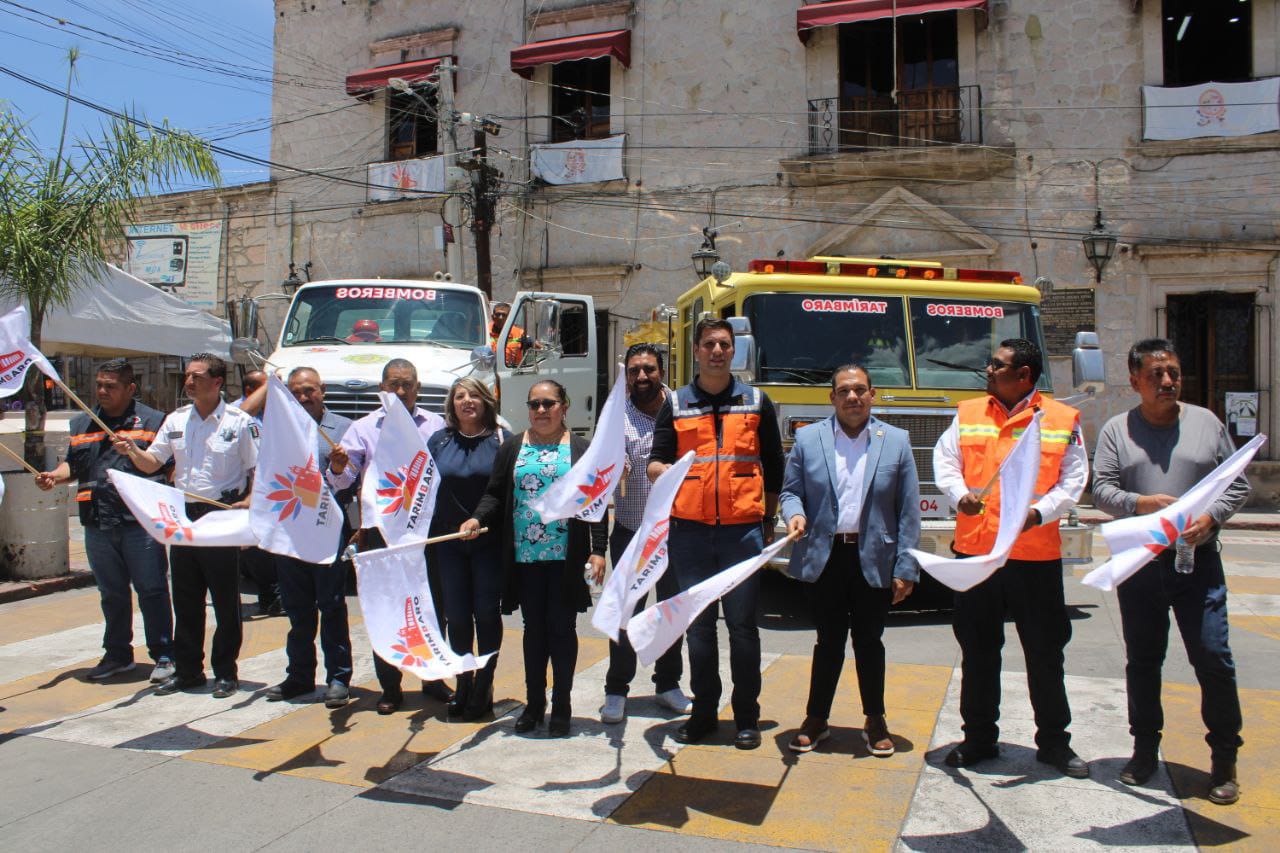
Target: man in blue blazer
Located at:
point(851, 488)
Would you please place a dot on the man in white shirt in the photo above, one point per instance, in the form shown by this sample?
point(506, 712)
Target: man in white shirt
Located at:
point(852, 490)
point(214, 448)
point(966, 461)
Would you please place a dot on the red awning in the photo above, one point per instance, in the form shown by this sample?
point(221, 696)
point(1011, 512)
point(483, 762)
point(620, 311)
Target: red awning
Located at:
point(615, 43)
point(851, 11)
point(372, 79)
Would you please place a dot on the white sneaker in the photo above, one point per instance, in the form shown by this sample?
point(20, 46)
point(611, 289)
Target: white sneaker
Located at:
point(675, 700)
point(614, 709)
point(163, 670)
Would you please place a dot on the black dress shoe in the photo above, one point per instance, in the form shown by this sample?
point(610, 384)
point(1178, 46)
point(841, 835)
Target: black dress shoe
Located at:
point(174, 683)
point(967, 754)
point(558, 725)
point(747, 739)
point(389, 703)
point(1141, 767)
point(224, 687)
point(1223, 787)
point(1065, 761)
point(529, 719)
point(287, 690)
point(696, 729)
point(437, 690)
point(337, 695)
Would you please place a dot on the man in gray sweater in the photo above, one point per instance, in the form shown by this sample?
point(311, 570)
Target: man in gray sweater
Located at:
point(1145, 460)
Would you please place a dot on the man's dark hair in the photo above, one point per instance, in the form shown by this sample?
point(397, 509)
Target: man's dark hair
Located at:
point(253, 380)
point(216, 366)
point(643, 349)
point(399, 364)
point(707, 324)
point(1146, 347)
point(120, 369)
point(845, 368)
point(1025, 354)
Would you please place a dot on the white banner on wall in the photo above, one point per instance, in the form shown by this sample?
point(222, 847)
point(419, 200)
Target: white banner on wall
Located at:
point(406, 178)
point(1211, 109)
point(582, 161)
point(184, 257)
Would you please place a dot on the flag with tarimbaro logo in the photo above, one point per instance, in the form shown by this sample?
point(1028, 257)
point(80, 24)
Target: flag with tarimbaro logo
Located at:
point(162, 512)
point(17, 354)
point(398, 494)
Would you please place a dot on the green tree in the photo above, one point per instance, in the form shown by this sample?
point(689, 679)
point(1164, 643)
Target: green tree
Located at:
point(60, 216)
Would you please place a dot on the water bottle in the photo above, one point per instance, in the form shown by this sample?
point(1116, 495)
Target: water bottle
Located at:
point(1184, 558)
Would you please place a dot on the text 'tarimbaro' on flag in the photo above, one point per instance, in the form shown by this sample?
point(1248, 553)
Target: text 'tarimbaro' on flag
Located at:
point(1136, 541)
point(584, 492)
point(652, 631)
point(398, 492)
point(1017, 478)
point(645, 559)
point(292, 509)
point(162, 512)
point(400, 617)
point(17, 355)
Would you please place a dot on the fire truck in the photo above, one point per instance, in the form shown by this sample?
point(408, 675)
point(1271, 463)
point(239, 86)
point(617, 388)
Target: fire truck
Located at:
point(923, 330)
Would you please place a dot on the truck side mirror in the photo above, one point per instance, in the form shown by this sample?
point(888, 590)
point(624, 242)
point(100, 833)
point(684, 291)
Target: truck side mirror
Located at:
point(546, 325)
point(483, 357)
point(743, 365)
point(246, 351)
point(1087, 365)
point(246, 319)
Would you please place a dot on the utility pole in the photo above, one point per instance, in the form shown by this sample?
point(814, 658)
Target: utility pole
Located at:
point(452, 205)
point(482, 208)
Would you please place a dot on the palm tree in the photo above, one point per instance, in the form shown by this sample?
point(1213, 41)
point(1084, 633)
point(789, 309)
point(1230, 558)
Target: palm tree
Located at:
point(60, 216)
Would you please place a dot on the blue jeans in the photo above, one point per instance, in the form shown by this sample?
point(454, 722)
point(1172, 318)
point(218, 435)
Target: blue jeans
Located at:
point(668, 669)
point(118, 556)
point(313, 594)
point(471, 580)
point(1199, 604)
point(697, 552)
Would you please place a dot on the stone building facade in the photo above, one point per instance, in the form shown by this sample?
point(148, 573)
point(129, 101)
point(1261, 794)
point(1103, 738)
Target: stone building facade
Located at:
point(1015, 127)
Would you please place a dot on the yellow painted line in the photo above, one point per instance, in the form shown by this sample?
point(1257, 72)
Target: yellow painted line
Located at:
point(1267, 626)
point(59, 693)
point(29, 619)
point(1254, 822)
point(772, 796)
point(357, 746)
point(1254, 585)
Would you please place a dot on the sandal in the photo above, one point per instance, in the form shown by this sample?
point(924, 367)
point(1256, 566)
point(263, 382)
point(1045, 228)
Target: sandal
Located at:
point(812, 732)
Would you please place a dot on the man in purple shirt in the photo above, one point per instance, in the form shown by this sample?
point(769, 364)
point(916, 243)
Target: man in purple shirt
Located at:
point(346, 463)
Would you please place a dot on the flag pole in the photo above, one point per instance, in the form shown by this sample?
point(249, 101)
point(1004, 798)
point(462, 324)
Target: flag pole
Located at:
point(204, 500)
point(72, 395)
point(445, 538)
point(24, 463)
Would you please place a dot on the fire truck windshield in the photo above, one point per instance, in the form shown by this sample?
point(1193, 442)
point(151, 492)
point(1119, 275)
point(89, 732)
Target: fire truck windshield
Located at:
point(378, 313)
point(954, 338)
point(802, 337)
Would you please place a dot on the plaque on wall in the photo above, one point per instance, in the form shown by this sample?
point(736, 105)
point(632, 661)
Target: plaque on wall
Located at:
point(1062, 314)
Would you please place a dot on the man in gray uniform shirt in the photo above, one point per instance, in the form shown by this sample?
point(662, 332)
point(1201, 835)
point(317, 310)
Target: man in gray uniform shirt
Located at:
point(1145, 460)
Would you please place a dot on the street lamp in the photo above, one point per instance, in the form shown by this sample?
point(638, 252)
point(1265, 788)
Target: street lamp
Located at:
point(706, 256)
point(291, 284)
point(1099, 246)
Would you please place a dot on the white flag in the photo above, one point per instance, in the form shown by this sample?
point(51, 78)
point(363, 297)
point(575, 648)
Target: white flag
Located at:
point(400, 617)
point(1018, 473)
point(398, 493)
point(17, 354)
point(645, 559)
point(585, 491)
point(652, 631)
point(1136, 541)
point(292, 509)
point(162, 512)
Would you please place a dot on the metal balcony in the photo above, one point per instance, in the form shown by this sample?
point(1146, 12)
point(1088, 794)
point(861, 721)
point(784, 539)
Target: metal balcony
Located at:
point(920, 118)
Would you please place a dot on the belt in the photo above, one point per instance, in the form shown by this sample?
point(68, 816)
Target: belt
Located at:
point(847, 538)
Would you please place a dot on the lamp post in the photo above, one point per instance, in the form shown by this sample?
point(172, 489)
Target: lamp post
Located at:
point(705, 256)
point(1099, 245)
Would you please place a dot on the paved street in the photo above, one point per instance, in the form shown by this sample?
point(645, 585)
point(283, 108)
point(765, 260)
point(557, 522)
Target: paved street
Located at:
point(113, 767)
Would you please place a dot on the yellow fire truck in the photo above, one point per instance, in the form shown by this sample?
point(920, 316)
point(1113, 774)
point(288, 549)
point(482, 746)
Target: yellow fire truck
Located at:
point(923, 330)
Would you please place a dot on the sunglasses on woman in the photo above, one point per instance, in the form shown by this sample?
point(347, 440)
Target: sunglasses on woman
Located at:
point(543, 404)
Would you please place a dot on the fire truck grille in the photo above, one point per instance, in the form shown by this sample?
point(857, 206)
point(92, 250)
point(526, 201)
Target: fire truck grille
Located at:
point(357, 404)
point(925, 430)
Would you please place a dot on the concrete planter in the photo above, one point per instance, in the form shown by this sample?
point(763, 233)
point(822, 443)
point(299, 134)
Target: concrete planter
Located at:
point(33, 530)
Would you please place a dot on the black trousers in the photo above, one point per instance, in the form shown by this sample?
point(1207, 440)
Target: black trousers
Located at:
point(261, 567)
point(550, 634)
point(197, 572)
point(389, 676)
point(844, 602)
point(667, 669)
point(1031, 592)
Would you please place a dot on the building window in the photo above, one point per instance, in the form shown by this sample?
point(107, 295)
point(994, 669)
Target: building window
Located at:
point(1207, 40)
point(411, 125)
point(580, 99)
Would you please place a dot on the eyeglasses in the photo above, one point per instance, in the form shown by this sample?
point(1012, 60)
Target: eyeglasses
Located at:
point(996, 363)
point(545, 403)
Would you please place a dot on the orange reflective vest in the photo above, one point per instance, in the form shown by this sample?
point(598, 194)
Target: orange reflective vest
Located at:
point(987, 435)
point(725, 484)
point(514, 350)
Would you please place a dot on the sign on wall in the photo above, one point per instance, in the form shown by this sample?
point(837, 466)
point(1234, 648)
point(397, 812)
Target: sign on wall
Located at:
point(183, 257)
point(1211, 109)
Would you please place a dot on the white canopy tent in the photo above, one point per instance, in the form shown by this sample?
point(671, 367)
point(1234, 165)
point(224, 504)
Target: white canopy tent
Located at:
point(118, 314)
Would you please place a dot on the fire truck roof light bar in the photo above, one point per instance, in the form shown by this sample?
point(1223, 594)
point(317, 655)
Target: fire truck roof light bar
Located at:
point(877, 269)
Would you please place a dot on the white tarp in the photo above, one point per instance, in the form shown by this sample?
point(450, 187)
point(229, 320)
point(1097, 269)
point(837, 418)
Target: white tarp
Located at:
point(1211, 109)
point(117, 314)
point(581, 161)
point(406, 178)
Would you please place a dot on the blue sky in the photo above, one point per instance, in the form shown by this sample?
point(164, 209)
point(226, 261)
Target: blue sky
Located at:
point(142, 59)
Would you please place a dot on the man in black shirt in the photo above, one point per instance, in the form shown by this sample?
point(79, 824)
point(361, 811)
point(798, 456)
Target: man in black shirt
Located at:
point(119, 550)
point(723, 514)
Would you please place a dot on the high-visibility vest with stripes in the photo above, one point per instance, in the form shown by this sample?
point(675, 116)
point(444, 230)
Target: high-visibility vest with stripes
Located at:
point(987, 435)
point(725, 484)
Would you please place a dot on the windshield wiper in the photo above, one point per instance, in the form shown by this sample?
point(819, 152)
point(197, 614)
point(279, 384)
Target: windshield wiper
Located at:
point(321, 338)
point(823, 372)
point(981, 371)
